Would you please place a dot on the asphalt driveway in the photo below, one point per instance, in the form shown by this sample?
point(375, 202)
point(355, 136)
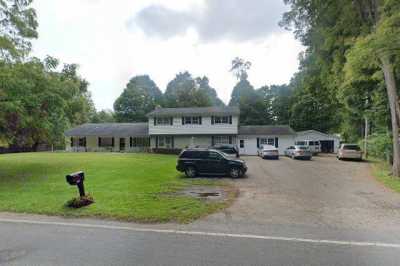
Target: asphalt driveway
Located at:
point(323, 197)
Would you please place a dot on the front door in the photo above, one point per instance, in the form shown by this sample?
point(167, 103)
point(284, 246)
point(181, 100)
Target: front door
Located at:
point(122, 144)
point(242, 149)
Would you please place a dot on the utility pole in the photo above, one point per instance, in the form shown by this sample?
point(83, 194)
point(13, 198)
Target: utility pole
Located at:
point(366, 132)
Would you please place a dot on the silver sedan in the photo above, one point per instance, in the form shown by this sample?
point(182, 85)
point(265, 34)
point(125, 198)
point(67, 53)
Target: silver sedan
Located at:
point(299, 152)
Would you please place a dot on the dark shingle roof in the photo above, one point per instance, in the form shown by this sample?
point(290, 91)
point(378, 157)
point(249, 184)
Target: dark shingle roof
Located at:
point(213, 110)
point(266, 130)
point(110, 129)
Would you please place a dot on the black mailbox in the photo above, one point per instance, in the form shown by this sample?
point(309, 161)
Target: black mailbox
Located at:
point(77, 179)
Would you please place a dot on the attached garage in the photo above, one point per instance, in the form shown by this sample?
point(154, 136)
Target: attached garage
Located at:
point(251, 137)
point(329, 143)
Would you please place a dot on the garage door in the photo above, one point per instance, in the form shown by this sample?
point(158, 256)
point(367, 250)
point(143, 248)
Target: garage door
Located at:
point(327, 146)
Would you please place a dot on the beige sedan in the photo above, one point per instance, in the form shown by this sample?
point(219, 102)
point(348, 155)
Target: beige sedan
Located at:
point(349, 151)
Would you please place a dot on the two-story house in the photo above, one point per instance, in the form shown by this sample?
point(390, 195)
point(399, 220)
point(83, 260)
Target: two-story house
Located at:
point(182, 127)
point(178, 128)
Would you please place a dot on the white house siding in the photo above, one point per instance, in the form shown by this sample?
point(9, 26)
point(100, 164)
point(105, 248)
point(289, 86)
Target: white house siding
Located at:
point(181, 142)
point(206, 128)
point(316, 135)
point(250, 143)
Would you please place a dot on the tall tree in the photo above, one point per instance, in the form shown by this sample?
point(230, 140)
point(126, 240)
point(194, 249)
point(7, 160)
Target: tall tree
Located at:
point(37, 103)
point(204, 85)
point(103, 116)
point(243, 89)
point(18, 26)
point(240, 67)
point(333, 29)
point(183, 91)
point(140, 96)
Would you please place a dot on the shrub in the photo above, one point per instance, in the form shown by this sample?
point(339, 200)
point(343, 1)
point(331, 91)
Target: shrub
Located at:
point(167, 151)
point(380, 146)
point(80, 202)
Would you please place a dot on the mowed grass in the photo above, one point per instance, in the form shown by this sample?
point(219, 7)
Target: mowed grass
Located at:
point(381, 171)
point(133, 187)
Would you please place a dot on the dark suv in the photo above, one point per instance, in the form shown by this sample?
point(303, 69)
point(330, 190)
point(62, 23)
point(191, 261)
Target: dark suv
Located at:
point(208, 161)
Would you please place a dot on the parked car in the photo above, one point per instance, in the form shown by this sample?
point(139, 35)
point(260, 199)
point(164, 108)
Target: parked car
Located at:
point(314, 145)
point(229, 149)
point(299, 152)
point(349, 151)
point(195, 162)
point(268, 152)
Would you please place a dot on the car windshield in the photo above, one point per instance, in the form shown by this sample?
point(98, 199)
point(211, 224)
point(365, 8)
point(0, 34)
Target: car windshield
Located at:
point(351, 147)
point(228, 151)
point(302, 148)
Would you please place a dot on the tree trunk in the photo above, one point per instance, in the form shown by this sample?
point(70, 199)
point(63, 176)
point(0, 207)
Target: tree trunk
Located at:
point(391, 89)
point(366, 132)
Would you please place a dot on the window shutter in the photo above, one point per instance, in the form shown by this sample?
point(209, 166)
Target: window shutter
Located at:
point(99, 142)
point(183, 120)
point(212, 141)
point(155, 121)
point(130, 142)
point(172, 142)
point(212, 120)
point(156, 141)
point(230, 139)
point(276, 142)
point(112, 142)
point(84, 142)
point(171, 121)
point(230, 120)
point(200, 120)
point(258, 142)
point(72, 142)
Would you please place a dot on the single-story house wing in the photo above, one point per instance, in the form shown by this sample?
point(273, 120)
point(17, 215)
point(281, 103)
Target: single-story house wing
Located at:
point(108, 137)
point(251, 137)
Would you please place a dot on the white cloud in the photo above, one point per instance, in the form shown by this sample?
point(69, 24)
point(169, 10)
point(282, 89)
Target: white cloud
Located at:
point(94, 34)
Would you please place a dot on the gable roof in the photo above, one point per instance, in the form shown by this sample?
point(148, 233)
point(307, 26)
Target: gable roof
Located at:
point(110, 130)
point(266, 130)
point(212, 110)
point(317, 132)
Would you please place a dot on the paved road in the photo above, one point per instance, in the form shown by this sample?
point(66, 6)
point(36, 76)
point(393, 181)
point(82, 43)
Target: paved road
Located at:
point(52, 244)
point(284, 210)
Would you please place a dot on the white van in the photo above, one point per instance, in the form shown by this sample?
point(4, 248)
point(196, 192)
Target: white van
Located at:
point(314, 145)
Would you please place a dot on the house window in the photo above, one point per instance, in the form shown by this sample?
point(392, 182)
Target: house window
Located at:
point(139, 142)
point(221, 120)
point(106, 142)
point(218, 140)
point(191, 120)
point(163, 121)
point(267, 141)
point(82, 142)
point(165, 142)
point(241, 145)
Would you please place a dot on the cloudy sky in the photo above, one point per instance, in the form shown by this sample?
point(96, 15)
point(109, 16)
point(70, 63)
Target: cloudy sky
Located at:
point(113, 41)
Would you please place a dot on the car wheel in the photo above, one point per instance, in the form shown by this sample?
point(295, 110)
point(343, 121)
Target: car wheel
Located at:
point(190, 171)
point(235, 172)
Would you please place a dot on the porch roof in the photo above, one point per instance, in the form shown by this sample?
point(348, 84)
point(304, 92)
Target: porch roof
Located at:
point(110, 130)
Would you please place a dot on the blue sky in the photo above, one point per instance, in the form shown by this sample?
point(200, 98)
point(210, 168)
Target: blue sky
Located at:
point(113, 41)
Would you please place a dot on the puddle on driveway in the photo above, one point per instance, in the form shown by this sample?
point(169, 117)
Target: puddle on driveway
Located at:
point(205, 192)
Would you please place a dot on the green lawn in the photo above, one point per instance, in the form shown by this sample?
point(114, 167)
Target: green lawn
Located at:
point(381, 171)
point(134, 187)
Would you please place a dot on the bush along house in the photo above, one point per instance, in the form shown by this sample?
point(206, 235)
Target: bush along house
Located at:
point(170, 130)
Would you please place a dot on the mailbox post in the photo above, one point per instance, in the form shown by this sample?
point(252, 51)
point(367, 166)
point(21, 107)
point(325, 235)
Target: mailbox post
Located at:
point(77, 179)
